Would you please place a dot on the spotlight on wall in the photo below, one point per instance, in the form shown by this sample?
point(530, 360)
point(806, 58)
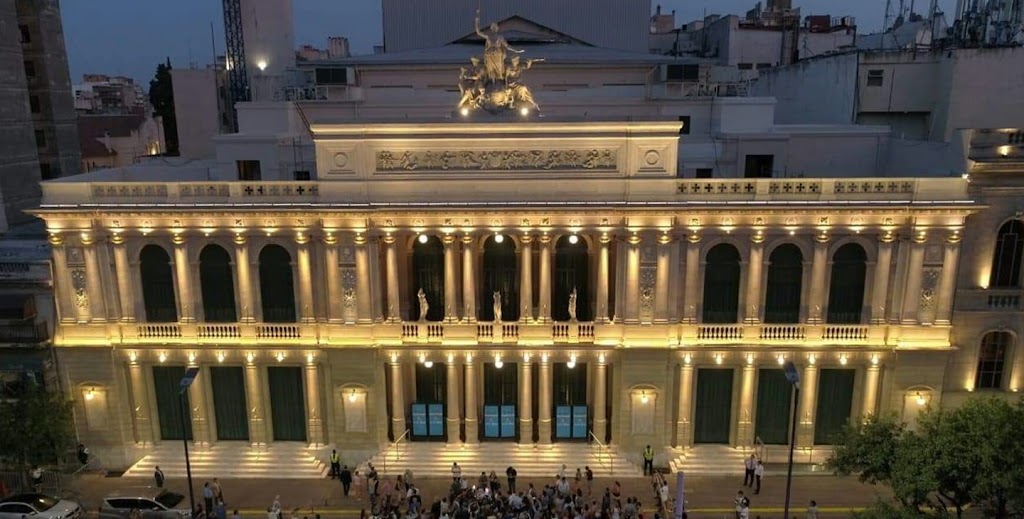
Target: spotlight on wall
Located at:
point(90, 394)
point(499, 238)
point(220, 357)
point(280, 356)
point(464, 111)
point(428, 364)
point(687, 359)
point(782, 359)
point(874, 359)
point(497, 362)
point(422, 238)
point(524, 111)
point(352, 396)
point(262, 65)
point(574, 238)
point(572, 362)
point(921, 400)
point(718, 358)
point(843, 359)
point(162, 357)
point(643, 397)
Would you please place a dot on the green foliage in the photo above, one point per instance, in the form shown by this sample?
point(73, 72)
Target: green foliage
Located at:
point(868, 449)
point(161, 96)
point(883, 510)
point(35, 429)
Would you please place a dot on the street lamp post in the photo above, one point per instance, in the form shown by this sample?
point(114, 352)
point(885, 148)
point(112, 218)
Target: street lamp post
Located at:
point(186, 381)
point(793, 376)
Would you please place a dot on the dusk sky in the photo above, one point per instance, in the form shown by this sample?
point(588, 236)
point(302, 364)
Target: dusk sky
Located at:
point(129, 37)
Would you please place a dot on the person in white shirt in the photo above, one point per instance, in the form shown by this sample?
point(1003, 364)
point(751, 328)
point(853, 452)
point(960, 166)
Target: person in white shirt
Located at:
point(758, 474)
point(456, 472)
point(749, 465)
point(812, 511)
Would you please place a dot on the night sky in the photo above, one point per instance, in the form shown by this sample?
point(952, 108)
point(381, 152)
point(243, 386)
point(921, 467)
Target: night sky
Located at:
point(129, 37)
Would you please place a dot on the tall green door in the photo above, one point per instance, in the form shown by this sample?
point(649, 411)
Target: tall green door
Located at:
point(167, 383)
point(774, 398)
point(229, 402)
point(835, 399)
point(287, 408)
point(714, 406)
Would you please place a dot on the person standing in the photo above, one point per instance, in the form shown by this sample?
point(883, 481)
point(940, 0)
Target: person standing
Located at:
point(758, 474)
point(335, 464)
point(456, 472)
point(346, 479)
point(207, 497)
point(37, 479)
point(218, 492)
point(158, 476)
point(219, 510)
point(648, 461)
point(812, 510)
point(590, 479)
point(510, 475)
point(738, 501)
point(748, 470)
point(83, 454)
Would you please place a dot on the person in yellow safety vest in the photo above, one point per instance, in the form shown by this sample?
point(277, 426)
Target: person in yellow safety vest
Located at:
point(335, 464)
point(648, 461)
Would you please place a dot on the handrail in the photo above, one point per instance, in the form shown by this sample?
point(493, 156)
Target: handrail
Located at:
point(761, 449)
point(395, 446)
point(602, 448)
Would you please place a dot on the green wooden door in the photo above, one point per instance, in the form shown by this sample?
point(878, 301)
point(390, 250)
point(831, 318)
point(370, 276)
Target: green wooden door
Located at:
point(835, 399)
point(774, 395)
point(167, 383)
point(714, 406)
point(229, 402)
point(287, 408)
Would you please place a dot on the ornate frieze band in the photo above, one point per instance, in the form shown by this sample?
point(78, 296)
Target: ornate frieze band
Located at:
point(498, 160)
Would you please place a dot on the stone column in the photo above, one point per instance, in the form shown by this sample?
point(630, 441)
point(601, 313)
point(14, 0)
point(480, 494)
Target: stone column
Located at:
point(603, 278)
point(544, 402)
point(691, 296)
point(752, 310)
point(364, 313)
point(745, 425)
point(632, 309)
point(197, 399)
point(472, 424)
point(808, 390)
point(306, 313)
point(544, 313)
point(335, 302)
point(870, 390)
point(93, 283)
point(600, 400)
point(525, 401)
point(451, 297)
point(397, 398)
point(468, 280)
point(243, 274)
point(315, 412)
point(684, 433)
point(183, 269)
point(912, 294)
point(394, 303)
point(947, 283)
point(141, 418)
point(254, 402)
point(63, 287)
point(452, 405)
point(661, 283)
point(526, 279)
point(819, 271)
point(124, 278)
point(883, 266)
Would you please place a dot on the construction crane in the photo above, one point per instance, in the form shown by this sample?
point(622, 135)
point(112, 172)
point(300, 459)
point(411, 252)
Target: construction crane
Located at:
point(238, 77)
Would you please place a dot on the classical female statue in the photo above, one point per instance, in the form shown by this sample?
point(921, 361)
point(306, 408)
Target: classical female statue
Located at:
point(572, 305)
point(497, 306)
point(424, 305)
point(495, 50)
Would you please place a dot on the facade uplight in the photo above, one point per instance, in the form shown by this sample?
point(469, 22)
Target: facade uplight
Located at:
point(262, 65)
point(643, 397)
point(524, 111)
point(574, 238)
point(572, 362)
point(499, 238)
point(422, 239)
point(464, 111)
point(921, 400)
point(352, 396)
point(497, 362)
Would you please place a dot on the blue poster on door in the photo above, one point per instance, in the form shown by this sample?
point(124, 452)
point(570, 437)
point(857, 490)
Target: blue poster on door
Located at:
point(419, 420)
point(563, 421)
point(435, 418)
point(579, 421)
point(491, 423)
point(508, 421)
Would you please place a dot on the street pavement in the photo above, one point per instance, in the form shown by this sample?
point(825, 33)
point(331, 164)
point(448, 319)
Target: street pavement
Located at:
point(706, 497)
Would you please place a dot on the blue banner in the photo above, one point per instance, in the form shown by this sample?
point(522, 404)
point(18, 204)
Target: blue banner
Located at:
point(563, 421)
point(435, 417)
point(419, 420)
point(491, 422)
point(579, 421)
point(508, 421)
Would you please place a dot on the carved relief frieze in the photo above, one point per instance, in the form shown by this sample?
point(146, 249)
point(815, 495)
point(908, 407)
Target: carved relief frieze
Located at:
point(79, 285)
point(348, 293)
point(929, 288)
point(498, 160)
point(75, 256)
point(648, 275)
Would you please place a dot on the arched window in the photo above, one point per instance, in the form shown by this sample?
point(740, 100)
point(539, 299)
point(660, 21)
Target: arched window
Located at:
point(571, 272)
point(992, 359)
point(217, 282)
point(1006, 262)
point(785, 276)
point(277, 288)
point(846, 290)
point(157, 285)
point(721, 284)
point(499, 275)
point(428, 274)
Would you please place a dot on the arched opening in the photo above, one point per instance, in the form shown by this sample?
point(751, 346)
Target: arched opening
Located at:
point(992, 360)
point(499, 275)
point(277, 288)
point(1006, 261)
point(785, 277)
point(721, 284)
point(571, 273)
point(216, 280)
point(846, 290)
point(428, 275)
point(157, 285)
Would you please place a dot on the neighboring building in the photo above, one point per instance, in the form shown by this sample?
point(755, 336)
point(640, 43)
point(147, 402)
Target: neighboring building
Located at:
point(201, 108)
point(105, 94)
point(26, 312)
point(38, 120)
point(337, 48)
point(112, 140)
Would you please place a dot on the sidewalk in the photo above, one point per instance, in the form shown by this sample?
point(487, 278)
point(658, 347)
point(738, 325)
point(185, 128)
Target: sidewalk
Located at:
point(707, 497)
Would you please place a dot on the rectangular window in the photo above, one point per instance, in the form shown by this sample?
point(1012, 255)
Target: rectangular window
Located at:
point(682, 72)
point(332, 76)
point(745, 66)
point(991, 359)
point(40, 139)
point(248, 170)
point(704, 172)
point(33, 104)
point(302, 175)
point(876, 77)
point(30, 69)
point(758, 166)
point(761, 66)
point(685, 129)
point(26, 36)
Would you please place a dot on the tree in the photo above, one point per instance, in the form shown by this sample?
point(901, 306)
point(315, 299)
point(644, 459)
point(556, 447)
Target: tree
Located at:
point(161, 96)
point(36, 428)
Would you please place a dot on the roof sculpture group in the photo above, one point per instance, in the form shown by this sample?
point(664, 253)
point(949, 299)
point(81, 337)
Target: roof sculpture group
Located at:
point(495, 83)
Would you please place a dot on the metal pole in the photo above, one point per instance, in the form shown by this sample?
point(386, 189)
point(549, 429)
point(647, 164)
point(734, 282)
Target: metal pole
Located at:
point(188, 464)
point(792, 446)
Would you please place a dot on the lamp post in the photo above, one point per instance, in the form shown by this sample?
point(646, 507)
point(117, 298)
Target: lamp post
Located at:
point(793, 376)
point(186, 381)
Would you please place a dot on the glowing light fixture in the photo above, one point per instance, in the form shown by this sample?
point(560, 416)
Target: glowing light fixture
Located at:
point(499, 238)
point(524, 111)
point(497, 362)
point(220, 357)
point(262, 65)
point(718, 358)
point(687, 359)
point(572, 362)
point(428, 364)
point(464, 111)
point(422, 238)
point(921, 400)
point(750, 359)
point(249, 357)
point(89, 395)
point(280, 356)
point(782, 359)
point(811, 358)
point(643, 397)
point(162, 357)
point(843, 359)
point(309, 358)
point(352, 396)
point(574, 238)
point(874, 359)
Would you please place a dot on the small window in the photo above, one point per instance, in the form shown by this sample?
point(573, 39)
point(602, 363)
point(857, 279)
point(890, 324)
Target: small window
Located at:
point(745, 66)
point(876, 77)
point(332, 76)
point(40, 139)
point(248, 169)
point(26, 36)
point(301, 175)
point(685, 129)
point(46, 172)
point(30, 69)
point(682, 72)
point(758, 166)
point(991, 360)
point(761, 66)
point(704, 172)
point(33, 104)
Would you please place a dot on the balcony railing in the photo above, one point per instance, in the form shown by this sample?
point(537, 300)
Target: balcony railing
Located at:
point(990, 300)
point(23, 332)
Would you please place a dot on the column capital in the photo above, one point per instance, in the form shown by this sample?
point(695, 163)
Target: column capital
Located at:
point(693, 238)
point(953, 237)
point(605, 238)
point(360, 238)
point(178, 238)
point(301, 238)
point(822, 237)
point(920, 236)
point(329, 238)
point(634, 238)
point(757, 237)
point(117, 238)
point(468, 239)
point(526, 238)
point(545, 239)
point(87, 239)
point(887, 236)
point(389, 238)
point(665, 238)
point(448, 239)
point(55, 239)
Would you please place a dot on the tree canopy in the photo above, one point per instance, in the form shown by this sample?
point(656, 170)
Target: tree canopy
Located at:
point(36, 428)
point(161, 96)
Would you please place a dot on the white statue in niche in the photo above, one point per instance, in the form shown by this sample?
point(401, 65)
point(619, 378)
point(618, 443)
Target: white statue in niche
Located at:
point(497, 306)
point(424, 305)
point(572, 305)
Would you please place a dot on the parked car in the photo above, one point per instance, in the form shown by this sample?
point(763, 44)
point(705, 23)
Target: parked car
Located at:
point(153, 503)
point(39, 506)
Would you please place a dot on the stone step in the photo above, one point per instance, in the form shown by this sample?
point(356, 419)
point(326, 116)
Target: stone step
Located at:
point(436, 460)
point(233, 460)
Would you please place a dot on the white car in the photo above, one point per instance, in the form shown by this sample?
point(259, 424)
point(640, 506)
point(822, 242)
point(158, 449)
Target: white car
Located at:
point(38, 506)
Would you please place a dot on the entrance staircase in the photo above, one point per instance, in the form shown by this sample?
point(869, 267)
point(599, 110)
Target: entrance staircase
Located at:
point(710, 460)
point(435, 459)
point(233, 460)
